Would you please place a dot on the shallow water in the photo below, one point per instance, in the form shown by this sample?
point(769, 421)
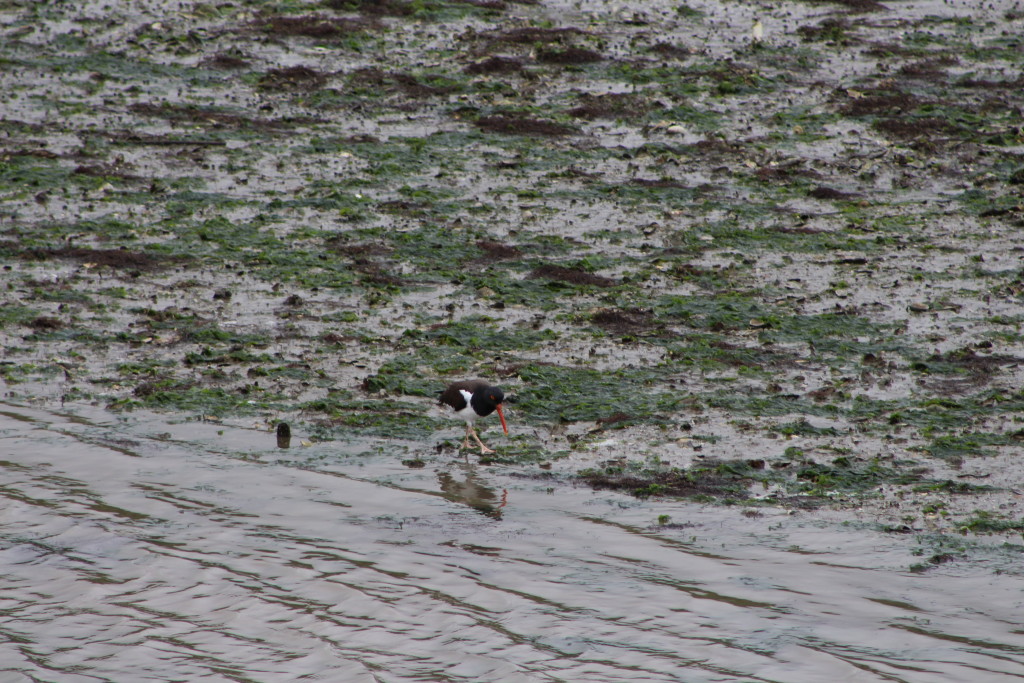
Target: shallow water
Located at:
point(134, 548)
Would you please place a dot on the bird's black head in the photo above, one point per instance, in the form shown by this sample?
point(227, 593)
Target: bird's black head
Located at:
point(486, 399)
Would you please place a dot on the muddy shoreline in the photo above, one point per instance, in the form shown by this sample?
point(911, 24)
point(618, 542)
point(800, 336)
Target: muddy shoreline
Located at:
point(784, 273)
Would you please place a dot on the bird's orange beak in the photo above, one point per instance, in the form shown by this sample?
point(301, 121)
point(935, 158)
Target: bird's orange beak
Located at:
point(501, 416)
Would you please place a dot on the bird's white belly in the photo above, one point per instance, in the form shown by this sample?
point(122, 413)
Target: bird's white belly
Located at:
point(467, 414)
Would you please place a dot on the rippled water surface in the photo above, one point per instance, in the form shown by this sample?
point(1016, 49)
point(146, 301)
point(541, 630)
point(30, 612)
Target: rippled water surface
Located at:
point(137, 549)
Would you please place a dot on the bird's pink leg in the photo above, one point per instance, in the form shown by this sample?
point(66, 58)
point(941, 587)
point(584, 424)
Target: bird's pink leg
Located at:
point(483, 449)
point(469, 429)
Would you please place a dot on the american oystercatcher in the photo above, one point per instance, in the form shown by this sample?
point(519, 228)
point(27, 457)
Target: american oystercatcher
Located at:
point(471, 400)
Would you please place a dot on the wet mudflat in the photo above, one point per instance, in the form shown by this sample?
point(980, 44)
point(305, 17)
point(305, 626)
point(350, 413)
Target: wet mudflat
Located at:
point(757, 305)
point(140, 549)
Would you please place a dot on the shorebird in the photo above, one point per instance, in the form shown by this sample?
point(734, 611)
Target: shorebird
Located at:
point(471, 400)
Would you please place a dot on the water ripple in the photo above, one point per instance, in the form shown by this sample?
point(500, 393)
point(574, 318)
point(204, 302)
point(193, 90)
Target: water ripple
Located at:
point(157, 559)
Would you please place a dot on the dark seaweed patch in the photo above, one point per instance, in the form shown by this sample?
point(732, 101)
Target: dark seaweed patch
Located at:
point(315, 26)
point(928, 68)
point(609, 106)
point(226, 60)
point(495, 65)
point(338, 245)
point(660, 183)
point(406, 83)
point(497, 5)
point(45, 323)
point(823, 192)
point(573, 276)
point(104, 171)
point(624, 321)
point(112, 258)
point(986, 84)
point(882, 103)
point(495, 251)
point(671, 51)
point(131, 138)
point(24, 152)
point(376, 273)
point(218, 117)
point(889, 50)
point(521, 125)
point(379, 8)
point(987, 523)
point(829, 30)
point(614, 419)
point(914, 127)
point(529, 35)
point(970, 362)
point(702, 483)
point(856, 5)
point(293, 78)
point(570, 55)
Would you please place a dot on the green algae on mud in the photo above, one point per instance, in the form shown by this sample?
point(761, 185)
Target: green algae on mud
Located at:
point(797, 480)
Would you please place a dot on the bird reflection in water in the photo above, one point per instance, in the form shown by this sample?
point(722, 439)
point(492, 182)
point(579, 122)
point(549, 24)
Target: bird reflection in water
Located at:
point(470, 491)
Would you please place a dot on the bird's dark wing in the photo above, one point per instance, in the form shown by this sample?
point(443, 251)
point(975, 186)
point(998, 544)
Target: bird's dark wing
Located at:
point(452, 396)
